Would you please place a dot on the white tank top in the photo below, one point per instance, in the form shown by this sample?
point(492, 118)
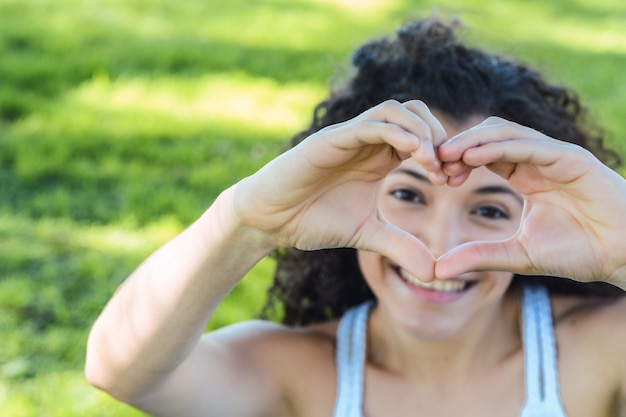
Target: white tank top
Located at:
point(542, 386)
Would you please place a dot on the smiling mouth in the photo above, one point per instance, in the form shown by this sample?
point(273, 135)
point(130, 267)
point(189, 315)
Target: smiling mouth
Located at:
point(447, 286)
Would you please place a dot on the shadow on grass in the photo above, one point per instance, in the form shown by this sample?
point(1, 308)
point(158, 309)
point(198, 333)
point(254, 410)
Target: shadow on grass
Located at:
point(50, 48)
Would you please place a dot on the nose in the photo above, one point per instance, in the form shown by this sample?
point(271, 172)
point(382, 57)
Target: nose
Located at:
point(440, 232)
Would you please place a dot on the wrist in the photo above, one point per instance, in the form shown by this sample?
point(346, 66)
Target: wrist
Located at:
point(223, 222)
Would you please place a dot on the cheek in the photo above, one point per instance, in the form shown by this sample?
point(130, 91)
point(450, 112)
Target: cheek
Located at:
point(499, 282)
point(494, 231)
point(371, 265)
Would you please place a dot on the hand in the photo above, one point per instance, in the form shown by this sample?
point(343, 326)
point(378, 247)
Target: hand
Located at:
point(323, 193)
point(574, 218)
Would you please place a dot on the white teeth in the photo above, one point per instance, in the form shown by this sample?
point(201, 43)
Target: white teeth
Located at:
point(436, 285)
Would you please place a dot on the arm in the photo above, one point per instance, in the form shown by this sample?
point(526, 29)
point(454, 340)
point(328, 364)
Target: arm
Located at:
point(146, 347)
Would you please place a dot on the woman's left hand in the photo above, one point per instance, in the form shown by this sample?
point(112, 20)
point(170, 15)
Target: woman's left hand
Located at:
point(574, 219)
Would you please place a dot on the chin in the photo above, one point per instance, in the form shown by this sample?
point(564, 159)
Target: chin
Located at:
point(428, 326)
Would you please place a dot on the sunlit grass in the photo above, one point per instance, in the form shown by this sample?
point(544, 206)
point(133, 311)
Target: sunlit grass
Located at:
point(363, 7)
point(555, 25)
point(59, 393)
point(157, 131)
point(223, 98)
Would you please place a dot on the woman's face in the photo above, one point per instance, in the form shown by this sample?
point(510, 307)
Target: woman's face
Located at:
point(485, 207)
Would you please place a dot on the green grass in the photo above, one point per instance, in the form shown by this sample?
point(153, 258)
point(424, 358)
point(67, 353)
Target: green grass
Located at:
point(121, 120)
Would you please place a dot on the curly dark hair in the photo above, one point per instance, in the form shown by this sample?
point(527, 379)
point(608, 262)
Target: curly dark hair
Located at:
point(425, 61)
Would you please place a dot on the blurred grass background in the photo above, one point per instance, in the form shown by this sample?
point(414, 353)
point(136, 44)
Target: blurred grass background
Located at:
point(121, 120)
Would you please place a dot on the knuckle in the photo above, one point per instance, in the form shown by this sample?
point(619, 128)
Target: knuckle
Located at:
point(417, 104)
point(390, 104)
point(495, 120)
point(381, 110)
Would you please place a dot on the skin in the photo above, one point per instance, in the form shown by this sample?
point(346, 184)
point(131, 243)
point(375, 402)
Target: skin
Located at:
point(484, 207)
point(461, 356)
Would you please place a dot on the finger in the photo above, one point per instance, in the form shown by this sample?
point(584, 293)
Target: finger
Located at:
point(457, 172)
point(388, 122)
point(427, 154)
point(393, 112)
point(438, 133)
point(493, 129)
point(415, 118)
point(484, 256)
point(400, 247)
point(458, 180)
point(501, 155)
point(455, 168)
point(355, 135)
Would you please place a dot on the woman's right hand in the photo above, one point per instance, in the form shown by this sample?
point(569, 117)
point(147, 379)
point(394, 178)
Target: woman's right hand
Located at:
point(323, 192)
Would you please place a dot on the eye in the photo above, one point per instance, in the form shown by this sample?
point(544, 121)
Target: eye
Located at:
point(409, 196)
point(491, 212)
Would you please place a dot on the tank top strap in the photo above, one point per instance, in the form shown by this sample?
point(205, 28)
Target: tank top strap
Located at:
point(540, 356)
point(350, 361)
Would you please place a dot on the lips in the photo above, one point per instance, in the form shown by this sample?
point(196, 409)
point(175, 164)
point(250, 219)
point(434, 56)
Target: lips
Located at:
point(443, 286)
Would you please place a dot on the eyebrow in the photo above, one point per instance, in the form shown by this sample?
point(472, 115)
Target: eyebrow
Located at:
point(489, 189)
point(498, 189)
point(413, 174)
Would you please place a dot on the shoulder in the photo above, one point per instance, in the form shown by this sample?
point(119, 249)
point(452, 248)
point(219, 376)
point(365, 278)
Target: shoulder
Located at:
point(295, 366)
point(591, 318)
point(591, 338)
point(588, 313)
point(274, 349)
point(274, 335)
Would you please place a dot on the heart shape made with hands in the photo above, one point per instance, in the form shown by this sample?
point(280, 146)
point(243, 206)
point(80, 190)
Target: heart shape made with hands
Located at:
point(566, 227)
point(453, 230)
point(572, 211)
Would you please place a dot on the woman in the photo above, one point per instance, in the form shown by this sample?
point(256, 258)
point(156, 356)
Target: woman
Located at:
point(409, 207)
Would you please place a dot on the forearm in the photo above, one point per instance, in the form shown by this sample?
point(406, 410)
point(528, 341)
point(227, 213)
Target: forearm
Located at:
point(158, 315)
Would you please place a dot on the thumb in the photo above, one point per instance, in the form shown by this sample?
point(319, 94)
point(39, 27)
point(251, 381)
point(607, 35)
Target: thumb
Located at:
point(404, 250)
point(505, 255)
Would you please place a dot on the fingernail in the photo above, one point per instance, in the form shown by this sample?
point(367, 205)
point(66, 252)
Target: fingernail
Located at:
point(438, 177)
